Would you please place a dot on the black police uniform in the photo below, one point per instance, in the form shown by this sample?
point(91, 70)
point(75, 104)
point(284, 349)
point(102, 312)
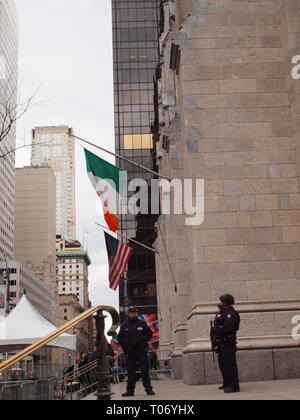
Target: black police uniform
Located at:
point(225, 330)
point(133, 338)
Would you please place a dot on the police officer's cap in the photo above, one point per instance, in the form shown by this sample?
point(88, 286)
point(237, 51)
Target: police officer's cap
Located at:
point(227, 299)
point(132, 309)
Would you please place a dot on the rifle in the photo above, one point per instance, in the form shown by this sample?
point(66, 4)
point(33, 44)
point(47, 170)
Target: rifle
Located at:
point(213, 341)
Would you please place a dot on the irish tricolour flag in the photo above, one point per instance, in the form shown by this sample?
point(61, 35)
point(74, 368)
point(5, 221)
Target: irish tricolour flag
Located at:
point(109, 182)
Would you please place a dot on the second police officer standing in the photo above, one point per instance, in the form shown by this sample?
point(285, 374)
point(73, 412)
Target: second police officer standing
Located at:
point(133, 337)
point(226, 326)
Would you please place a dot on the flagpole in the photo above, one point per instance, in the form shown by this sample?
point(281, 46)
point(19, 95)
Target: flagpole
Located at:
point(122, 157)
point(128, 239)
point(144, 246)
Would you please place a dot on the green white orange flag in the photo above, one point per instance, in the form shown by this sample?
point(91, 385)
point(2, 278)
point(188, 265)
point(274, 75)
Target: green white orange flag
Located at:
point(109, 182)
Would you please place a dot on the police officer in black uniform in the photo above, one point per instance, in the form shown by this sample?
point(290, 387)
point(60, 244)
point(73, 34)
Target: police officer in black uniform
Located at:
point(226, 326)
point(133, 338)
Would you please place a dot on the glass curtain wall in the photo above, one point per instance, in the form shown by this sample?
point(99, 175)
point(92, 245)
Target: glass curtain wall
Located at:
point(136, 29)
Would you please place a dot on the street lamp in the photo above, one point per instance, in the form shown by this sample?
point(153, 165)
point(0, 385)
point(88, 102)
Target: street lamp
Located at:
point(7, 283)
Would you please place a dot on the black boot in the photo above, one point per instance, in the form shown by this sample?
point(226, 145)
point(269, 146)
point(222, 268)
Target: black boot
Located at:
point(222, 387)
point(150, 392)
point(128, 394)
point(232, 390)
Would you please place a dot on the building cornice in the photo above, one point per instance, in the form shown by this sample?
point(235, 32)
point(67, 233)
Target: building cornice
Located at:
point(246, 343)
point(74, 254)
point(279, 305)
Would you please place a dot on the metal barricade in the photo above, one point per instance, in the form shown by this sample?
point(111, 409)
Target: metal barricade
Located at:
point(11, 393)
point(28, 392)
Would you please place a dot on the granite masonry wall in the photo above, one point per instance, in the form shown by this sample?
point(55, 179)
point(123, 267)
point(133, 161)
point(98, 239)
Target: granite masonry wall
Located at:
point(231, 115)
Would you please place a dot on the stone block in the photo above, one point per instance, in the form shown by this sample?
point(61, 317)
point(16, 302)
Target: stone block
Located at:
point(286, 218)
point(291, 234)
point(288, 171)
point(264, 270)
point(221, 254)
point(247, 158)
point(247, 203)
point(232, 187)
point(256, 186)
point(176, 364)
point(189, 102)
point(259, 252)
point(261, 218)
point(282, 156)
point(212, 205)
point(194, 132)
point(229, 204)
point(284, 201)
point(240, 236)
point(209, 237)
point(193, 369)
point(286, 363)
point(212, 371)
point(214, 159)
point(212, 272)
point(255, 365)
point(224, 172)
point(244, 219)
point(264, 202)
point(198, 255)
point(274, 171)
point(237, 289)
point(256, 171)
point(192, 146)
point(289, 289)
point(295, 201)
point(285, 185)
point(267, 235)
point(213, 187)
point(220, 220)
point(259, 290)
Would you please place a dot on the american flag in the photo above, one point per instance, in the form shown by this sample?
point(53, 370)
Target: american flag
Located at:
point(118, 257)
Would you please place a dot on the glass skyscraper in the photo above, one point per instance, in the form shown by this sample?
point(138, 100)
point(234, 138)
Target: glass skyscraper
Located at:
point(136, 29)
point(9, 28)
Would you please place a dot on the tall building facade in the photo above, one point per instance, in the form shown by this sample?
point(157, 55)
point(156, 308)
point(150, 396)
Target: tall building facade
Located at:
point(24, 280)
point(54, 147)
point(136, 28)
point(72, 271)
point(35, 225)
point(72, 275)
point(8, 96)
point(35, 214)
point(229, 113)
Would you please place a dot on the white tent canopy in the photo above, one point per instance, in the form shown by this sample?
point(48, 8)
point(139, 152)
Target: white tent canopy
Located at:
point(25, 326)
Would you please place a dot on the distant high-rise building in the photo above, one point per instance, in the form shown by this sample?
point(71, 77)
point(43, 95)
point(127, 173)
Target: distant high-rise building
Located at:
point(54, 147)
point(136, 28)
point(8, 95)
point(72, 271)
point(35, 225)
point(35, 216)
point(24, 280)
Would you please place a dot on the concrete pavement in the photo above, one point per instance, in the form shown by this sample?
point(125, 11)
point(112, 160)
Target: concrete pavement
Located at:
point(168, 390)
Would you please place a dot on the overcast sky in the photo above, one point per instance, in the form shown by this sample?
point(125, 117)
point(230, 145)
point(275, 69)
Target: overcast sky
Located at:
point(66, 48)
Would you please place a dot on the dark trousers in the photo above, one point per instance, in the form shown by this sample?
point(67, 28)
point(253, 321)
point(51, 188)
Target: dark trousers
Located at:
point(228, 364)
point(133, 358)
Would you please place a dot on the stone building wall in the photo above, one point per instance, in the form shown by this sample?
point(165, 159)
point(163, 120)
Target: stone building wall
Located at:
point(232, 119)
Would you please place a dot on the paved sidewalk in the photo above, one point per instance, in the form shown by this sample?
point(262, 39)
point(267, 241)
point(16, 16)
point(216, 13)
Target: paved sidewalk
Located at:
point(168, 390)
